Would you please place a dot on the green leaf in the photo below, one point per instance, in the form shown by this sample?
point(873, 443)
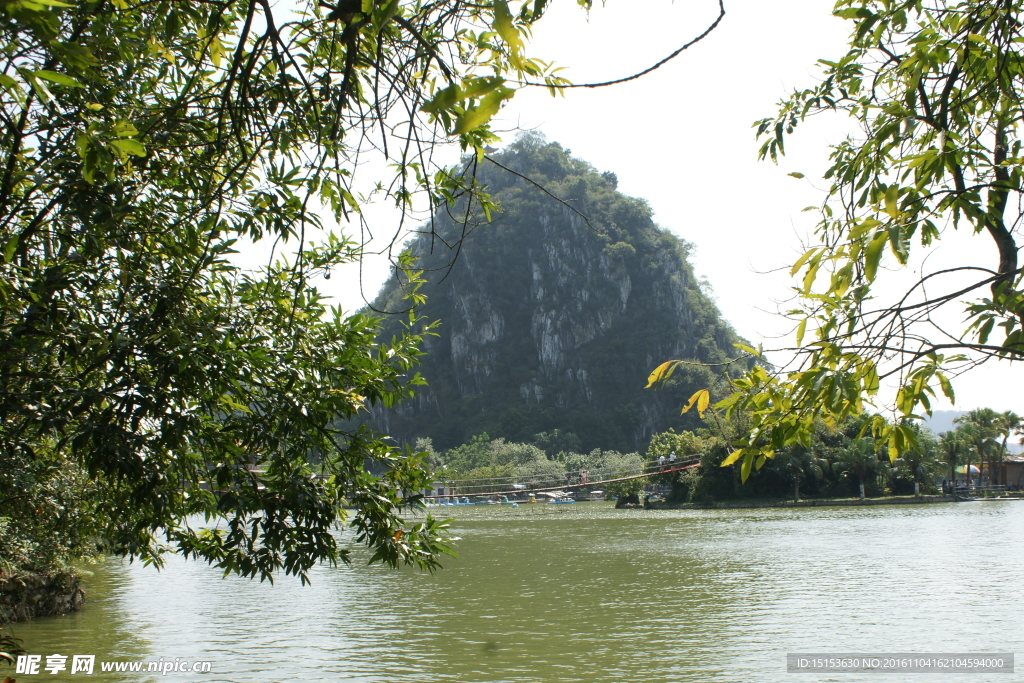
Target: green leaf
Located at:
point(382, 15)
point(870, 381)
point(748, 459)
point(863, 227)
point(811, 275)
point(128, 146)
point(748, 349)
point(801, 329)
point(58, 78)
point(947, 387)
point(10, 248)
point(482, 113)
point(802, 260)
point(444, 99)
point(733, 457)
point(795, 174)
point(986, 330)
point(873, 254)
point(125, 129)
point(505, 28)
point(892, 194)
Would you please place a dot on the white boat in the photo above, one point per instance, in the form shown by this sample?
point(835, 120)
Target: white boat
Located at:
point(562, 500)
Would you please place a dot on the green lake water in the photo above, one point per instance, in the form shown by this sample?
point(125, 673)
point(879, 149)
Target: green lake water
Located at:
point(585, 593)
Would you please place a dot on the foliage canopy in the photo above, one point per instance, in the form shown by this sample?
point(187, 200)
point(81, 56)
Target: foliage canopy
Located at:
point(140, 140)
point(935, 88)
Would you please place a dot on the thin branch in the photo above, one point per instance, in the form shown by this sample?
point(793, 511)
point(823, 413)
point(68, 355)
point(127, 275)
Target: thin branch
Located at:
point(602, 84)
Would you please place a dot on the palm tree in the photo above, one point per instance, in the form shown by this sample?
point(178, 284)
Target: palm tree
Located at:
point(801, 461)
point(980, 430)
point(919, 461)
point(1008, 423)
point(952, 447)
point(858, 461)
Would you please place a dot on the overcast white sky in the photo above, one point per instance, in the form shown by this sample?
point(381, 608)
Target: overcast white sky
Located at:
point(681, 138)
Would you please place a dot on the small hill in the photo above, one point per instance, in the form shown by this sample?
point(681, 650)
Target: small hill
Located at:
point(550, 320)
point(942, 421)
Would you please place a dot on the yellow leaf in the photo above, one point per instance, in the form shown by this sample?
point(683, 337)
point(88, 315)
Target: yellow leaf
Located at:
point(812, 272)
point(748, 349)
point(801, 261)
point(701, 398)
point(661, 373)
point(703, 401)
point(733, 457)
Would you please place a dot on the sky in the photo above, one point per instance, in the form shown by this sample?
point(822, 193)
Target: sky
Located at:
point(681, 138)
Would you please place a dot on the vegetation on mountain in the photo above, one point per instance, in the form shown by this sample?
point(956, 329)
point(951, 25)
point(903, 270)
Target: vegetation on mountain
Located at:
point(553, 312)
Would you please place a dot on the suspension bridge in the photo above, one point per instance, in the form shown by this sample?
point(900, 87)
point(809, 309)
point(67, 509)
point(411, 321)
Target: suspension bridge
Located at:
point(548, 482)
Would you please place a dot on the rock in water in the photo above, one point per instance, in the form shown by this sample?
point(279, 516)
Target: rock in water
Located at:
point(550, 321)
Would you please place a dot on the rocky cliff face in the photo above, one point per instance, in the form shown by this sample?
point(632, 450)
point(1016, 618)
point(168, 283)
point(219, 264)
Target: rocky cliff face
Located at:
point(552, 320)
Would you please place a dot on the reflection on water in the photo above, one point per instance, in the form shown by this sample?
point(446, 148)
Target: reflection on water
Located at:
point(586, 593)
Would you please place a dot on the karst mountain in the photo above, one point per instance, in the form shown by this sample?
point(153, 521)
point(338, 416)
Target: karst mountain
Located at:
point(555, 311)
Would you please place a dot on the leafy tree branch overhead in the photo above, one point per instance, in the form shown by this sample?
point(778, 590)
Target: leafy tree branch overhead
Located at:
point(934, 88)
point(139, 142)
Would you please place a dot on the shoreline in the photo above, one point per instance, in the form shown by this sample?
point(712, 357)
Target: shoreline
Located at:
point(814, 502)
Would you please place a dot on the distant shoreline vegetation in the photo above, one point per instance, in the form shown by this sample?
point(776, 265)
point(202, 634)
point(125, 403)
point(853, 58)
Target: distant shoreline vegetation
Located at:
point(839, 464)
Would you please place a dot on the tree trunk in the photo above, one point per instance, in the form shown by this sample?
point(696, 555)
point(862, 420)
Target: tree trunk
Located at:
point(998, 194)
point(862, 488)
point(917, 489)
point(796, 490)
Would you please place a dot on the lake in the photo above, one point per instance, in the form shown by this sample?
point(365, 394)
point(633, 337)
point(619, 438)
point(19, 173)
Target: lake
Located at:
point(584, 593)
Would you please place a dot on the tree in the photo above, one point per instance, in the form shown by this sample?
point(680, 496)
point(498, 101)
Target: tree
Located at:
point(1007, 423)
point(935, 88)
point(798, 462)
point(858, 461)
point(979, 430)
point(139, 142)
point(918, 460)
point(951, 446)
